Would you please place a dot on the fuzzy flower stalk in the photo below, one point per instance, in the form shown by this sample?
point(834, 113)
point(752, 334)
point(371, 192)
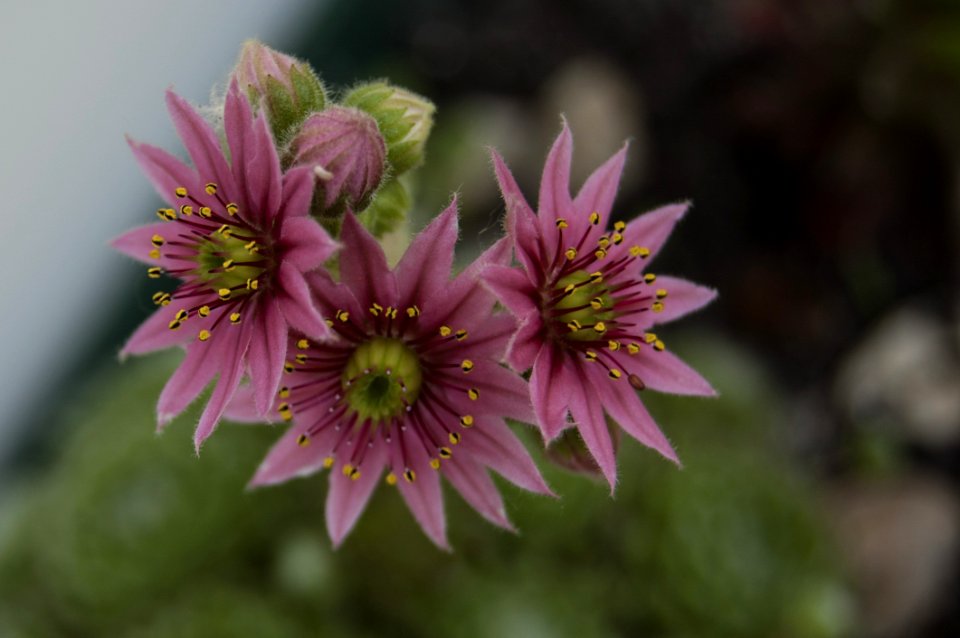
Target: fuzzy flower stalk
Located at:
point(236, 238)
point(587, 305)
point(409, 391)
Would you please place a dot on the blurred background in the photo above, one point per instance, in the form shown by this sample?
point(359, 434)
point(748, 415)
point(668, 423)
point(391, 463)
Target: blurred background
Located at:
point(820, 143)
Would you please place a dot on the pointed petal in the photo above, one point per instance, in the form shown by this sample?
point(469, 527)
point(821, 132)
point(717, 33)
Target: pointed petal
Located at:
point(242, 408)
point(623, 405)
point(187, 382)
point(493, 443)
point(683, 297)
point(550, 391)
point(231, 372)
point(305, 244)
point(298, 185)
point(268, 348)
point(425, 266)
point(476, 487)
point(665, 372)
point(526, 343)
point(512, 288)
point(521, 220)
point(165, 172)
point(600, 189)
point(555, 201)
point(423, 496)
point(201, 143)
point(287, 460)
point(460, 301)
point(238, 127)
point(264, 185)
point(651, 230)
point(363, 265)
point(296, 304)
point(592, 425)
point(348, 498)
point(155, 333)
point(137, 243)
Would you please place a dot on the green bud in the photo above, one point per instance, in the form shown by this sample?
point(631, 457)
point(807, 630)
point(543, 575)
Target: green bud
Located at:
point(570, 452)
point(404, 118)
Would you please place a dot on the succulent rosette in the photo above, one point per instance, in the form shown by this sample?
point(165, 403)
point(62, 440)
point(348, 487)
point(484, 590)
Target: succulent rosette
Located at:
point(586, 306)
point(412, 385)
point(237, 238)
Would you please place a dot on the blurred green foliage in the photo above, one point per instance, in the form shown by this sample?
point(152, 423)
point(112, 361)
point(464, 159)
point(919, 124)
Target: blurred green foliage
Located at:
point(130, 534)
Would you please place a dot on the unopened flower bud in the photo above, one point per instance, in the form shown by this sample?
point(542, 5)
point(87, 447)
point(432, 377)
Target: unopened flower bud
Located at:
point(570, 452)
point(405, 120)
point(347, 153)
point(286, 88)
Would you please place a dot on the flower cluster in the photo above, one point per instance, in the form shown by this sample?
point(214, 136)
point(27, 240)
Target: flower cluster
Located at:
point(397, 375)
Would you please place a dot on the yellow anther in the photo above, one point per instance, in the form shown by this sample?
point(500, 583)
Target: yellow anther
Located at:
point(639, 251)
point(204, 311)
point(633, 348)
point(445, 331)
point(224, 230)
point(445, 452)
point(574, 325)
point(303, 344)
point(180, 191)
point(569, 288)
point(435, 464)
point(234, 318)
point(211, 188)
point(617, 239)
point(570, 254)
point(466, 365)
point(285, 412)
point(603, 242)
point(301, 358)
point(204, 335)
point(166, 214)
point(413, 311)
point(661, 294)
point(454, 438)
point(619, 226)
point(157, 241)
point(232, 209)
point(181, 315)
point(224, 293)
point(329, 322)
point(596, 303)
point(303, 440)
point(155, 272)
point(649, 277)
point(284, 392)
point(615, 374)
point(392, 313)
point(613, 345)
point(658, 345)
point(600, 253)
point(391, 478)
point(158, 297)
point(328, 462)
point(174, 325)
point(205, 212)
point(409, 476)
point(343, 315)
point(186, 210)
point(650, 337)
point(562, 223)
point(253, 284)
point(590, 355)
point(594, 218)
point(466, 420)
point(229, 265)
point(600, 327)
point(288, 367)
point(461, 334)
point(376, 309)
point(657, 306)
point(251, 246)
point(596, 277)
point(347, 469)
point(473, 393)
point(154, 254)
point(355, 474)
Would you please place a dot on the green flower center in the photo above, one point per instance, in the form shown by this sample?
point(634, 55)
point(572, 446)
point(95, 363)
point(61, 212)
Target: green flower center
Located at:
point(382, 379)
point(583, 308)
point(227, 262)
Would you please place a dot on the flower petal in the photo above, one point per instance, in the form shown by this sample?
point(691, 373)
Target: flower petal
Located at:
point(588, 413)
point(555, 201)
point(683, 297)
point(231, 370)
point(305, 244)
point(287, 459)
point(512, 288)
point(187, 382)
point(526, 342)
point(298, 185)
point(267, 353)
point(600, 189)
point(155, 333)
point(243, 408)
point(348, 498)
point(550, 391)
point(476, 487)
point(494, 444)
point(137, 243)
point(423, 495)
point(201, 143)
point(521, 222)
point(238, 127)
point(425, 266)
point(264, 185)
point(363, 265)
point(665, 372)
point(650, 230)
point(165, 172)
point(296, 303)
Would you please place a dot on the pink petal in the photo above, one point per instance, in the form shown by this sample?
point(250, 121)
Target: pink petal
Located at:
point(476, 487)
point(512, 288)
point(287, 459)
point(423, 496)
point(425, 266)
point(187, 382)
point(238, 127)
point(263, 179)
point(623, 405)
point(296, 303)
point(502, 392)
point(460, 301)
point(155, 333)
point(305, 244)
point(521, 220)
point(137, 243)
point(665, 372)
point(550, 391)
point(331, 296)
point(298, 185)
point(600, 189)
point(363, 265)
point(588, 413)
point(243, 408)
point(555, 201)
point(165, 172)
point(495, 445)
point(231, 371)
point(268, 348)
point(348, 498)
point(683, 297)
point(201, 143)
point(525, 345)
point(650, 230)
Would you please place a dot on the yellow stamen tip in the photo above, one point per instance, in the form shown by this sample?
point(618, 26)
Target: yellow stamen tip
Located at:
point(180, 191)
point(391, 479)
point(435, 464)
point(466, 365)
point(328, 462)
point(473, 393)
point(594, 218)
point(445, 331)
point(466, 420)
point(204, 335)
point(303, 344)
point(615, 374)
point(284, 392)
point(235, 318)
point(571, 253)
point(303, 441)
point(211, 188)
point(454, 438)
point(204, 311)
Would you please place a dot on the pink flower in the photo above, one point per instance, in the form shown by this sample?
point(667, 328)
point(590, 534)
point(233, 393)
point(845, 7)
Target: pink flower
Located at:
point(238, 238)
point(586, 309)
point(412, 386)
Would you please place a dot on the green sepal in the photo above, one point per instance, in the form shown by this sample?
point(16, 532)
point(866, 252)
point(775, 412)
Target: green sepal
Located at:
point(404, 119)
point(286, 110)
